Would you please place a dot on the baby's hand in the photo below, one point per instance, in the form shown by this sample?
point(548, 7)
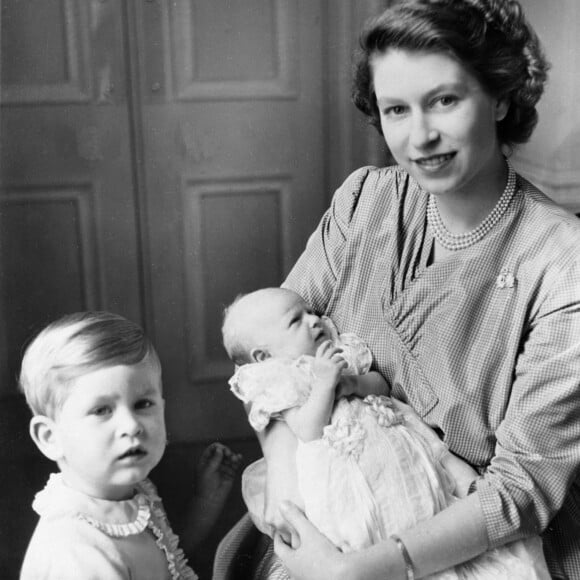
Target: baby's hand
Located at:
point(216, 470)
point(329, 363)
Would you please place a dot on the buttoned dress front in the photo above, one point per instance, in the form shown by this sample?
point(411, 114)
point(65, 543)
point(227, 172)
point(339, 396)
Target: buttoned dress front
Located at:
point(485, 345)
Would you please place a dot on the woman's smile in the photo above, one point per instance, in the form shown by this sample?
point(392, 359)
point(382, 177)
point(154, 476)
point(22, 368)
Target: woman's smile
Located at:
point(438, 122)
point(434, 162)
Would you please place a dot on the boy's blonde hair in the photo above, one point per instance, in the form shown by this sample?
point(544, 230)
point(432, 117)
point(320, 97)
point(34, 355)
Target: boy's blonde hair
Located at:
point(73, 346)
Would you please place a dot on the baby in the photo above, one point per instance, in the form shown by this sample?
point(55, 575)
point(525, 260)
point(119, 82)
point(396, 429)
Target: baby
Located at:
point(364, 473)
point(93, 383)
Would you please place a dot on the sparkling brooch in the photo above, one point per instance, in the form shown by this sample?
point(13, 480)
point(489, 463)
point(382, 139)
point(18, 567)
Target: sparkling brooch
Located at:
point(506, 279)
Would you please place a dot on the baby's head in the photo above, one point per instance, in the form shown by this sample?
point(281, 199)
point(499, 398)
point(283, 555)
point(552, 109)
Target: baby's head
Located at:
point(93, 383)
point(272, 322)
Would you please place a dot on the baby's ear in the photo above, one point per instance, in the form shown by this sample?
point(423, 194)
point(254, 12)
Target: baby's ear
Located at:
point(259, 354)
point(44, 433)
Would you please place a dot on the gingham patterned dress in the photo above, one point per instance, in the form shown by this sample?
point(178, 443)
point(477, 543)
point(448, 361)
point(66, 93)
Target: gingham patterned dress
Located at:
point(485, 345)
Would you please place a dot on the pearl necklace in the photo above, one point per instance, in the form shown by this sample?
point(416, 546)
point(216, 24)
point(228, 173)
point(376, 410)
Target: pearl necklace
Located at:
point(461, 241)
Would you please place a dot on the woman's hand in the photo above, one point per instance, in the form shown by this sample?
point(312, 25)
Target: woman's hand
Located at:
point(310, 556)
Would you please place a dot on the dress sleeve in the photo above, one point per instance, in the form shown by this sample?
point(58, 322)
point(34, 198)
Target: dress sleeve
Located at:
point(271, 387)
point(315, 273)
point(537, 456)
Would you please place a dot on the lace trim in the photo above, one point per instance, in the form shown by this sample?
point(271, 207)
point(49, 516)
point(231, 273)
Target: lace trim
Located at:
point(168, 542)
point(382, 408)
point(176, 561)
point(149, 513)
point(347, 436)
point(123, 530)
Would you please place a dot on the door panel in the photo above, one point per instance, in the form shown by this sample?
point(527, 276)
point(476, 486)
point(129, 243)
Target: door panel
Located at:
point(67, 211)
point(234, 167)
point(67, 217)
point(158, 158)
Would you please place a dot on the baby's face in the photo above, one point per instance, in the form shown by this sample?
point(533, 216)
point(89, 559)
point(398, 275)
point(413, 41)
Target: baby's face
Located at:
point(288, 326)
point(111, 429)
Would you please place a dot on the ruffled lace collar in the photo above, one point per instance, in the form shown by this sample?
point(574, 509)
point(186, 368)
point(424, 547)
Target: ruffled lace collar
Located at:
point(117, 518)
point(114, 518)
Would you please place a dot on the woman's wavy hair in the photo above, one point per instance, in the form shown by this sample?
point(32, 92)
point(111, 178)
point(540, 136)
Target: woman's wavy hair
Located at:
point(491, 38)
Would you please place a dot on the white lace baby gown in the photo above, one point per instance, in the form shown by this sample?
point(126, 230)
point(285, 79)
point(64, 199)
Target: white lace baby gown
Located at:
point(369, 476)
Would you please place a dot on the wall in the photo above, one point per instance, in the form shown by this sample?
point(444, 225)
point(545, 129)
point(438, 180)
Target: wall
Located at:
point(550, 160)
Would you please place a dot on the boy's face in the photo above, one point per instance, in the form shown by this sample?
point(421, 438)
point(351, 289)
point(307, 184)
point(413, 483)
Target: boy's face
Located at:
point(110, 431)
point(287, 326)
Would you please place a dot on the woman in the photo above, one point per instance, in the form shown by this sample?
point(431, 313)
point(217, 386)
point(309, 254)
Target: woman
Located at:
point(464, 280)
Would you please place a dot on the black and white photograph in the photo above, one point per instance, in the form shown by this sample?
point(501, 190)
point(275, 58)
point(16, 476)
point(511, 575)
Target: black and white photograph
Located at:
point(289, 290)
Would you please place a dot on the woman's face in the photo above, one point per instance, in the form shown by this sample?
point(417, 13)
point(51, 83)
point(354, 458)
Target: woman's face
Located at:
point(438, 121)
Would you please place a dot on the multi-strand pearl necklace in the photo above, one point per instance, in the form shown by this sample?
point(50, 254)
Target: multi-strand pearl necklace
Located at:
point(454, 242)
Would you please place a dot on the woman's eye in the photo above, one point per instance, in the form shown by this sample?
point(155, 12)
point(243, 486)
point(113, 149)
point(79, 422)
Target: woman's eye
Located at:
point(394, 111)
point(447, 100)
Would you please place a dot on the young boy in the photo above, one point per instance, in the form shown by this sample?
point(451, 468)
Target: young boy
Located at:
point(93, 383)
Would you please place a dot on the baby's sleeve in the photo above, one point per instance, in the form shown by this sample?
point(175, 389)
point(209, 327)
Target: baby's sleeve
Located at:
point(269, 388)
point(356, 353)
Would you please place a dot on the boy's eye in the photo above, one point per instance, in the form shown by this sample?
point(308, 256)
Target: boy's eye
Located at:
point(144, 404)
point(101, 411)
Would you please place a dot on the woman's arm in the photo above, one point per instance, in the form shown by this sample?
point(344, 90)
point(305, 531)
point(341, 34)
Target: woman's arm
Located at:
point(453, 536)
point(462, 474)
point(314, 274)
point(537, 453)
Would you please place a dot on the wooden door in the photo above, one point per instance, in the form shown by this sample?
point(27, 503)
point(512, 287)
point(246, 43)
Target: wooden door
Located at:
point(68, 228)
point(157, 158)
point(233, 111)
point(68, 237)
point(160, 157)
